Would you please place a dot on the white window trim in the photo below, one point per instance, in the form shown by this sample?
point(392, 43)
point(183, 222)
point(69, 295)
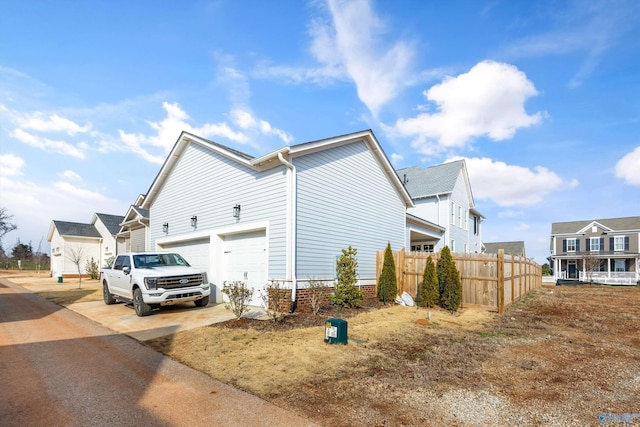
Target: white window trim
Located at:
point(574, 244)
point(616, 240)
point(595, 240)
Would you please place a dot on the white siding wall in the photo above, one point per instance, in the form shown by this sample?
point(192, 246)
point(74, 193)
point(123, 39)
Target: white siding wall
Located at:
point(138, 240)
point(344, 198)
point(108, 243)
point(208, 185)
point(436, 210)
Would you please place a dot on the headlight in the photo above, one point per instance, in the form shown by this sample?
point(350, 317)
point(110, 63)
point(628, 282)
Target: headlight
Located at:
point(150, 282)
point(204, 278)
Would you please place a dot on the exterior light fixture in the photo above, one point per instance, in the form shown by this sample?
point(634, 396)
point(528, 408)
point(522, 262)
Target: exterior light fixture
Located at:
point(165, 227)
point(194, 221)
point(236, 211)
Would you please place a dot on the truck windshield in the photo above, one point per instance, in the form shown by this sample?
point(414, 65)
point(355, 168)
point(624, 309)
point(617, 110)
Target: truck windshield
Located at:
point(158, 260)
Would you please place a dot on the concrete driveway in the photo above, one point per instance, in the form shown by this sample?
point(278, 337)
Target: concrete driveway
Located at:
point(167, 320)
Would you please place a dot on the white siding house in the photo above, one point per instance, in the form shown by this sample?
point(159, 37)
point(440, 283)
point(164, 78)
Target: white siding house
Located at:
point(283, 216)
point(442, 197)
point(95, 240)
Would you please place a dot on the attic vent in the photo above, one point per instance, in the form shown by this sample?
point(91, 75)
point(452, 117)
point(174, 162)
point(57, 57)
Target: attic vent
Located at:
point(594, 229)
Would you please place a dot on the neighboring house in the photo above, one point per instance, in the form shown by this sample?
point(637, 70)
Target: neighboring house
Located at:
point(510, 248)
point(442, 196)
point(284, 216)
point(603, 250)
point(69, 240)
point(133, 235)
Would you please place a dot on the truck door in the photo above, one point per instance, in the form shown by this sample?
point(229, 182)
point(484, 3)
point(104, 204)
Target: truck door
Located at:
point(117, 279)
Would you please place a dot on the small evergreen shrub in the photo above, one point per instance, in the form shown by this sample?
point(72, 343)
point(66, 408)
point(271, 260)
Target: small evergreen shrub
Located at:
point(92, 269)
point(429, 293)
point(449, 281)
point(387, 283)
point(239, 297)
point(345, 292)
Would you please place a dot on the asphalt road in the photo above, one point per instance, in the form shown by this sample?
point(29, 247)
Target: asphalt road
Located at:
point(60, 368)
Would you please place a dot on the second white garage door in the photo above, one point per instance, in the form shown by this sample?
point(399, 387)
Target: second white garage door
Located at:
point(245, 259)
point(196, 252)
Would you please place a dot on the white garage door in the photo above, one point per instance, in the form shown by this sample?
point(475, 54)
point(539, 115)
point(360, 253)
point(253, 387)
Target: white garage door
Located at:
point(244, 259)
point(196, 252)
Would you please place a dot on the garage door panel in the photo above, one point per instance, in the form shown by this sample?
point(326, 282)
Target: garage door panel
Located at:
point(244, 259)
point(196, 252)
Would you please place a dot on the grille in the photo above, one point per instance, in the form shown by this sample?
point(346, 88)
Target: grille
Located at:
point(184, 295)
point(179, 281)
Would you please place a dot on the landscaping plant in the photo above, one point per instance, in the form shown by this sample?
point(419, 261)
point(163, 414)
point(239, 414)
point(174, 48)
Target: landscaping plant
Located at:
point(92, 269)
point(449, 281)
point(388, 284)
point(318, 293)
point(429, 291)
point(274, 298)
point(239, 297)
point(345, 292)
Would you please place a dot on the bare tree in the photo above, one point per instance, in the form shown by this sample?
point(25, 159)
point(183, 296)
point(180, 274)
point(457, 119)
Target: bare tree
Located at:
point(591, 262)
point(5, 225)
point(76, 255)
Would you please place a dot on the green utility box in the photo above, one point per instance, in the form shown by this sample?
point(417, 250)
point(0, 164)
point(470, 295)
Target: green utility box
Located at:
point(59, 279)
point(335, 331)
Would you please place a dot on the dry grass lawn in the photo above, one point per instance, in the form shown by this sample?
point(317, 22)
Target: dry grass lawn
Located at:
point(64, 294)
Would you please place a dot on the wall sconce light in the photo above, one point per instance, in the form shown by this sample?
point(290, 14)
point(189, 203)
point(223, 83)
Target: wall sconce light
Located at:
point(194, 221)
point(236, 211)
point(165, 227)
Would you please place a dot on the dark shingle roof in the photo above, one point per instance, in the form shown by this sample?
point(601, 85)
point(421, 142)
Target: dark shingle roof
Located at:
point(142, 212)
point(76, 229)
point(112, 222)
point(511, 248)
point(438, 179)
point(621, 224)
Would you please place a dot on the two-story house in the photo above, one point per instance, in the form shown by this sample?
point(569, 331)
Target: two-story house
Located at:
point(442, 195)
point(601, 251)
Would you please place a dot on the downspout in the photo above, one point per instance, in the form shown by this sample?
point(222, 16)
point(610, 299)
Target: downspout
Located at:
point(292, 202)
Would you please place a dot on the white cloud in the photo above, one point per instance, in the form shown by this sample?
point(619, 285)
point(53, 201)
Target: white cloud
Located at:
point(246, 121)
point(396, 158)
point(488, 100)
point(628, 167)
point(53, 123)
point(350, 47)
point(70, 175)
point(10, 165)
point(511, 185)
point(46, 144)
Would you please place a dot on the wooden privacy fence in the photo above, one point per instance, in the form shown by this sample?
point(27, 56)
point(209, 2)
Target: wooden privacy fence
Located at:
point(489, 281)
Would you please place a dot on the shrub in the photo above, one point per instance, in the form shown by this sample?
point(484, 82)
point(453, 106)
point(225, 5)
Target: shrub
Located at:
point(429, 292)
point(318, 292)
point(92, 269)
point(449, 281)
point(239, 297)
point(109, 261)
point(345, 292)
point(274, 298)
point(388, 284)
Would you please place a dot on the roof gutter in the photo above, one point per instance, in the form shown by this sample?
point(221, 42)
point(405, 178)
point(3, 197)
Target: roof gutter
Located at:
point(291, 227)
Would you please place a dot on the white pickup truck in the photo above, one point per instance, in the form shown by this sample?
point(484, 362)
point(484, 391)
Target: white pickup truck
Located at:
point(152, 279)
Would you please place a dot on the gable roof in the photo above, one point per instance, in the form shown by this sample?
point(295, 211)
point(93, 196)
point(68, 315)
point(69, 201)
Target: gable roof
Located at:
point(631, 223)
point(76, 229)
point(112, 222)
point(512, 248)
point(425, 182)
point(272, 159)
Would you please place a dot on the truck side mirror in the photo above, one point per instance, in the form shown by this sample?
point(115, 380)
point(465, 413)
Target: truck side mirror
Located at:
point(126, 270)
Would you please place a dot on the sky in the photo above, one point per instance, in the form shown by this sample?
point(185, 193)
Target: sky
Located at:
point(542, 98)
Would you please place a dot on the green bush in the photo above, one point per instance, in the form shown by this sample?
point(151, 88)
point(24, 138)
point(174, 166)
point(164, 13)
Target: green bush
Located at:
point(345, 292)
point(449, 281)
point(387, 283)
point(92, 269)
point(429, 291)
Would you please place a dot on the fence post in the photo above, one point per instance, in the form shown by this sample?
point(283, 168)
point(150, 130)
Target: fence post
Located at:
point(400, 271)
point(501, 281)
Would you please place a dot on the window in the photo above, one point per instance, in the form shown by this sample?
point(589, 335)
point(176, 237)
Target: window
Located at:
point(595, 245)
point(619, 265)
point(476, 226)
point(571, 245)
point(460, 216)
point(466, 219)
point(453, 245)
point(618, 244)
point(466, 248)
point(427, 248)
point(453, 213)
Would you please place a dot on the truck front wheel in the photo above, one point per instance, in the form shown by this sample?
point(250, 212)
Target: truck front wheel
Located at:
point(203, 302)
point(106, 295)
point(141, 307)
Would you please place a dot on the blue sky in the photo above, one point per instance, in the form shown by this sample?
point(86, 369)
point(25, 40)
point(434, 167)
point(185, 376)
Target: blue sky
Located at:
point(541, 98)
